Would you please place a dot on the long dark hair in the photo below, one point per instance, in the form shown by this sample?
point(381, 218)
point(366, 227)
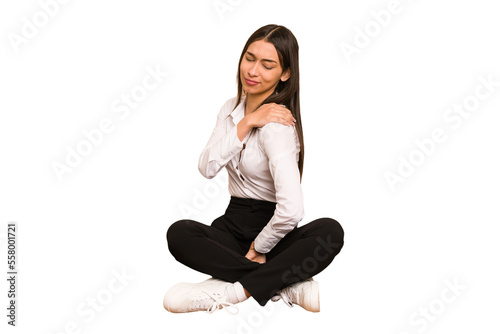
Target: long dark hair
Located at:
point(286, 92)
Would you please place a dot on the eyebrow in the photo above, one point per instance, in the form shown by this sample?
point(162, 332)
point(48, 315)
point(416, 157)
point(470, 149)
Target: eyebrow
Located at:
point(269, 60)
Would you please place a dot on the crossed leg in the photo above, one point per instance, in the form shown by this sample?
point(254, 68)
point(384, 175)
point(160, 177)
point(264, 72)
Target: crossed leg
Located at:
point(302, 253)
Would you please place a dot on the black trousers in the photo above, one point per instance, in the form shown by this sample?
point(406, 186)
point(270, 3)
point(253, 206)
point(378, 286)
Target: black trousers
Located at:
point(219, 250)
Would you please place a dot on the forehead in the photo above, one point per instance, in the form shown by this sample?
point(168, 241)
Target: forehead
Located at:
point(264, 50)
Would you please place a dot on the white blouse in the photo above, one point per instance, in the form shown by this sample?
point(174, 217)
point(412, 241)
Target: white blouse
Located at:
point(263, 166)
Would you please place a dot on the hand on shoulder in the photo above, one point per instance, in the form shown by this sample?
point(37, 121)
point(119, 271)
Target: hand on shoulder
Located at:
point(271, 112)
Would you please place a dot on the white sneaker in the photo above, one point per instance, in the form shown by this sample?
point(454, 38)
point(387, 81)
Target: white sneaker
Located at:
point(304, 294)
point(207, 296)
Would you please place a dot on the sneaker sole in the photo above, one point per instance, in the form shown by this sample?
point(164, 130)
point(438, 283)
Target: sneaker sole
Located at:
point(177, 292)
point(174, 294)
point(312, 303)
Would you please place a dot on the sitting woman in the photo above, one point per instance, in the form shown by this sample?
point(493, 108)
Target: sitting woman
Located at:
point(256, 248)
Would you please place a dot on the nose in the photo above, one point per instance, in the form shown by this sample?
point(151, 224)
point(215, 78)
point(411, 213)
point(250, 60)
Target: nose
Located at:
point(253, 70)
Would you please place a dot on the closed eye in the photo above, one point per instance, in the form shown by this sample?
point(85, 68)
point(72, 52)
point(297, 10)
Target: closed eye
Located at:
point(252, 60)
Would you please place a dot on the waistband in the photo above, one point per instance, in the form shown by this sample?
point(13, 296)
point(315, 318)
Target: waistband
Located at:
point(251, 202)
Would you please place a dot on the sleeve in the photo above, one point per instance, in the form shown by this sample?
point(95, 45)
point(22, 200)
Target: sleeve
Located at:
point(222, 146)
point(279, 144)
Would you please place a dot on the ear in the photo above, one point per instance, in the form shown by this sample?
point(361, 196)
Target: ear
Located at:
point(286, 75)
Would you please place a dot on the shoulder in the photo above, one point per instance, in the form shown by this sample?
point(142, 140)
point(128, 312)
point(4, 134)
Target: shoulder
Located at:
point(227, 107)
point(274, 128)
point(278, 135)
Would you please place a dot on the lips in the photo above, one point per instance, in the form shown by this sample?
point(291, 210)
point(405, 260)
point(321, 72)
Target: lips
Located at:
point(250, 82)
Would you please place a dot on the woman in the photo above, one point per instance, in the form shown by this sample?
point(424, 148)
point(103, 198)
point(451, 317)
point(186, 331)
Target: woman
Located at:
point(256, 249)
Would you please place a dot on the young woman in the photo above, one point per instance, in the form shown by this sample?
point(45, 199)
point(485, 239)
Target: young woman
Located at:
point(255, 248)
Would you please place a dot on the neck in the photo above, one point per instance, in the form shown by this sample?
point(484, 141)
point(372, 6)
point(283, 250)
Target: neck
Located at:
point(253, 101)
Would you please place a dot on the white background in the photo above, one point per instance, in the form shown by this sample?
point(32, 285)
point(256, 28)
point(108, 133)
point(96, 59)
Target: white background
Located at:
point(111, 212)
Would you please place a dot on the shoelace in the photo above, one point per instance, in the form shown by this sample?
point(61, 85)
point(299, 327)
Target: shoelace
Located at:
point(200, 303)
point(287, 295)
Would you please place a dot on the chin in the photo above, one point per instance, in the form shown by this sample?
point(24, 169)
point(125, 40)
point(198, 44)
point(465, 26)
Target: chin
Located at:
point(248, 90)
point(253, 90)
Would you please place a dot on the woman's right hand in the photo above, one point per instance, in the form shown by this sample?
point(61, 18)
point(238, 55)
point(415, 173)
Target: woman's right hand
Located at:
point(270, 112)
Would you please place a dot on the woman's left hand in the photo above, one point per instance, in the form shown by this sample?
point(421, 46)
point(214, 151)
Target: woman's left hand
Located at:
point(255, 256)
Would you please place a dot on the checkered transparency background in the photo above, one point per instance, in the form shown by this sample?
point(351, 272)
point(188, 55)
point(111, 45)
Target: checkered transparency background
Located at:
point(106, 105)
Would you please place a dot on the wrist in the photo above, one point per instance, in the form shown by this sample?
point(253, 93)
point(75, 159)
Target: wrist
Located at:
point(243, 128)
point(248, 120)
point(252, 247)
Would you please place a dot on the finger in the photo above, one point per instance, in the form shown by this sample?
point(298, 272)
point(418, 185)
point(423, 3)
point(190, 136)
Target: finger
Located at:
point(283, 121)
point(287, 114)
point(288, 120)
